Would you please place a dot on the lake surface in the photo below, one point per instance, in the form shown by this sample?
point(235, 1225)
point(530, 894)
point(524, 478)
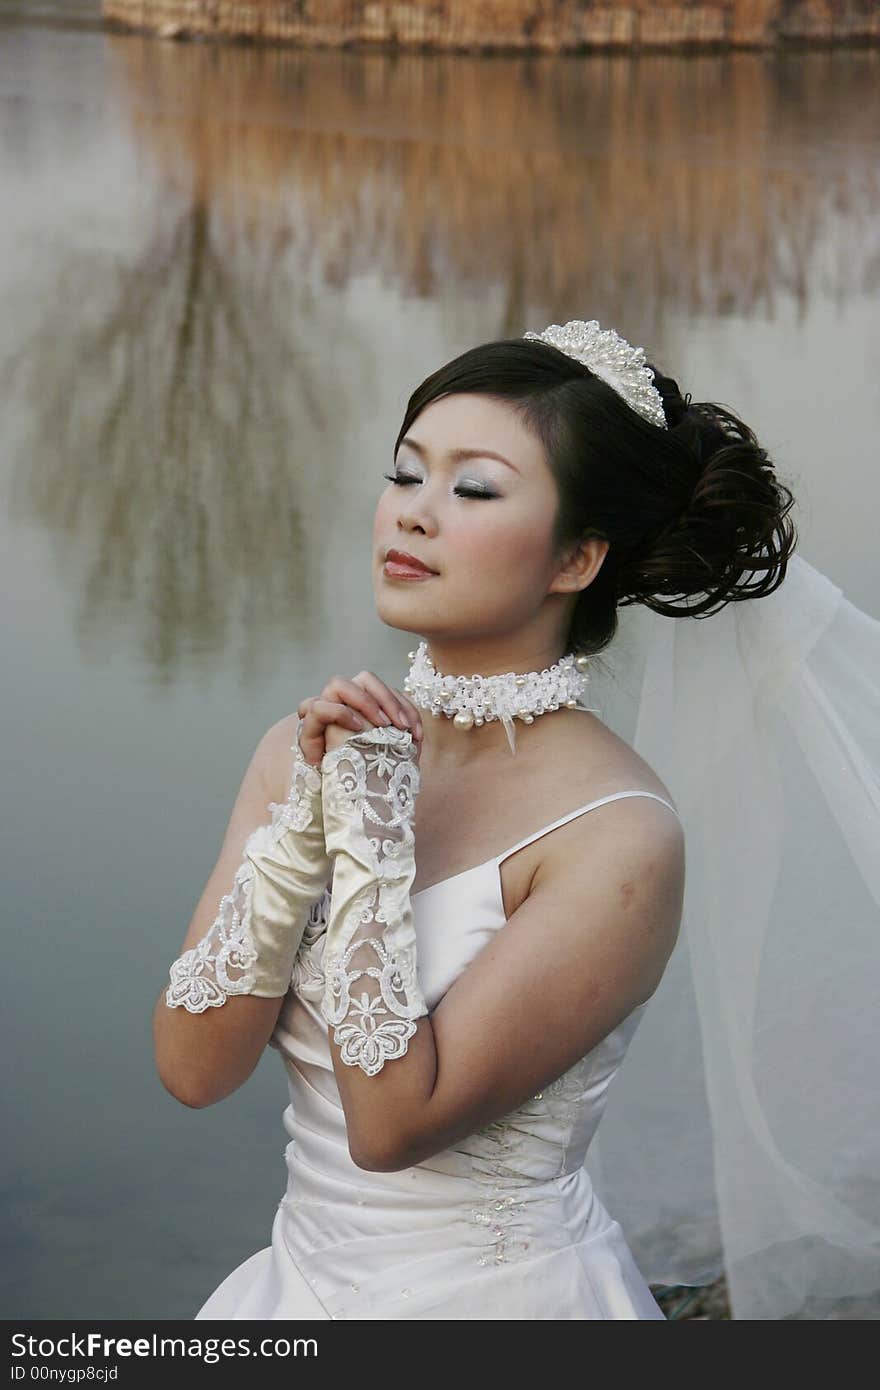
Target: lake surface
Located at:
point(223, 272)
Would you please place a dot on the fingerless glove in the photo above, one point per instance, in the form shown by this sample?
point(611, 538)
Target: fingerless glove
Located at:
point(252, 944)
point(372, 995)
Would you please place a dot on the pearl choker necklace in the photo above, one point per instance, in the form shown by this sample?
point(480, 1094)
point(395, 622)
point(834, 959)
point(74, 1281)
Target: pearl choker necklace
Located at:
point(476, 700)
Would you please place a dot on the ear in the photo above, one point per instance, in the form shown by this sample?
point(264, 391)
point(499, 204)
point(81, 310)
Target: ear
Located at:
point(580, 566)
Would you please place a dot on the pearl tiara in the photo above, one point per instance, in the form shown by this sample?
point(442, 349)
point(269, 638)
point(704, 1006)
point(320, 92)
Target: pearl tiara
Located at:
point(620, 366)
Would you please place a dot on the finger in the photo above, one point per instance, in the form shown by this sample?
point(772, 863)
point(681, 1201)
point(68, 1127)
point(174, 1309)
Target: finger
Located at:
point(349, 692)
point(374, 696)
point(397, 708)
point(316, 713)
point(310, 733)
point(312, 723)
point(414, 711)
point(337, 712)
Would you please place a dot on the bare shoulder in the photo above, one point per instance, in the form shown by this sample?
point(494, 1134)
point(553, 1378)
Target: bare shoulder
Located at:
point(628, 834)
point(619, 893)
point(610, 760)
point(628, 850)
point(644, 821)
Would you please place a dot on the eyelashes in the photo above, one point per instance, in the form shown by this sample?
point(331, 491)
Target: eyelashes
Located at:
point(460, 492)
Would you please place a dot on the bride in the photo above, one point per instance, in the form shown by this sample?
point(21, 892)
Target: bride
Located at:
point(448, 905)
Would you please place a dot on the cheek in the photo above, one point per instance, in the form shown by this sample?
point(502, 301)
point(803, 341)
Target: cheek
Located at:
point(382, 519)
point(503, 541)
point(510, 544)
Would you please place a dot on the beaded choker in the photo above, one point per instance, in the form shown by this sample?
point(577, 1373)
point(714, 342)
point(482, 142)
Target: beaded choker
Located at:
point(475, 700)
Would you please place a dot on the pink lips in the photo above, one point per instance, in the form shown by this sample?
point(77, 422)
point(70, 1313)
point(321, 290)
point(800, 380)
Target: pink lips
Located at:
point(400, 565)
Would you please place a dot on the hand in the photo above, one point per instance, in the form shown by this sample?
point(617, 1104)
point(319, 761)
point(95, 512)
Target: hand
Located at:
point(360, 703)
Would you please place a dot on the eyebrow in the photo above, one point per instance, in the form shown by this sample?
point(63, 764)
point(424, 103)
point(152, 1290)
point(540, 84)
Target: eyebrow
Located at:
point(458, 454)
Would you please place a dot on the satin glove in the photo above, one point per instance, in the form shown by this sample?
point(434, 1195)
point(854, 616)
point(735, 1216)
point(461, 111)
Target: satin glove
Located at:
point(251, 947)
point(371, 992)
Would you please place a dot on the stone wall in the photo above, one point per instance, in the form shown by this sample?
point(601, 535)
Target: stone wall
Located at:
point(484, 25)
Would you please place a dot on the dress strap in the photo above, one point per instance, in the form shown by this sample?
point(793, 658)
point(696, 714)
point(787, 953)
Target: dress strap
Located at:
point(554, 825)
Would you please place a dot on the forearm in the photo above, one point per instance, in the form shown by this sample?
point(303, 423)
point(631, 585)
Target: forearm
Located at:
point(202, 1058)
point(381, 1037)
point(384, 1113)
point(226, 988)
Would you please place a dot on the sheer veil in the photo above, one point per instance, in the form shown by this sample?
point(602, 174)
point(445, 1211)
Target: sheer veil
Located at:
point(742, 1135)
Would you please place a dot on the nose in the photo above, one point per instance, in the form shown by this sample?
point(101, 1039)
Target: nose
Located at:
point(416, 518)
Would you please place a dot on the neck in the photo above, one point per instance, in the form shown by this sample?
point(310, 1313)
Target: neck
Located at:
point(485, 656)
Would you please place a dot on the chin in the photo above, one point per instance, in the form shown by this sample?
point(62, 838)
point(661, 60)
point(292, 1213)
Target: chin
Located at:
point(390, 615)
point(416, 629)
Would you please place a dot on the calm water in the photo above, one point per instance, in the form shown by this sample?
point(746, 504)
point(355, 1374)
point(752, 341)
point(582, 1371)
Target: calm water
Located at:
point(223, 272)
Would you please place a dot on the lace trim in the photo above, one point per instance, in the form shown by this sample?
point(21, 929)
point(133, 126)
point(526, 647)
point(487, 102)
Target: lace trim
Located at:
point(371, 781)
point(222, 963)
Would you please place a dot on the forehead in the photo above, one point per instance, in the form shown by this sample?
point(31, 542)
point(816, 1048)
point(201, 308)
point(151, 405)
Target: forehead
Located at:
point(470, 421)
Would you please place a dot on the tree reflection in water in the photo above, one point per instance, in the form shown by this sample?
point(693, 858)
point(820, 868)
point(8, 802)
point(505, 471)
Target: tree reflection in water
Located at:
point(169, 407)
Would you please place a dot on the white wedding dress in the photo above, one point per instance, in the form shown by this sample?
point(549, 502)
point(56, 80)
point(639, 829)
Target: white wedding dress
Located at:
point(502, 1225)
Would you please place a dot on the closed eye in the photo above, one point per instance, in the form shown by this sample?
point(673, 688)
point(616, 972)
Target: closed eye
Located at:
point(461, 492)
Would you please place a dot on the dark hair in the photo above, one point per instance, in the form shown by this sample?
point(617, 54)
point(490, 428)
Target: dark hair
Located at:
point(687, 510)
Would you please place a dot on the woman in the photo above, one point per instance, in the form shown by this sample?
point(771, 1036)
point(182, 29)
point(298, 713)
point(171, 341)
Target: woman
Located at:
point(451, 1029)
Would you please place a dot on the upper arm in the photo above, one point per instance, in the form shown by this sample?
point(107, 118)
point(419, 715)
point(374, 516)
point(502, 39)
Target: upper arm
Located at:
point(203, 1057)
point(589, 944)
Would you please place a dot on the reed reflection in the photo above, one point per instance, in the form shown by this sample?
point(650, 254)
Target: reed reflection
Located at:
point(693, 184)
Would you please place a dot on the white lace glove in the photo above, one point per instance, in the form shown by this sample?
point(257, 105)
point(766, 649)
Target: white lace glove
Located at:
point(371, 989)
point(252, 945)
